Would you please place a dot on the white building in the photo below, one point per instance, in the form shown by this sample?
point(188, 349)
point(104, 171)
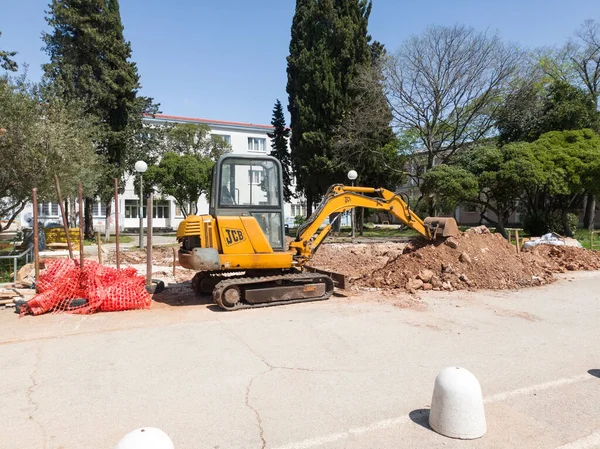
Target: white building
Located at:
point(244, 138)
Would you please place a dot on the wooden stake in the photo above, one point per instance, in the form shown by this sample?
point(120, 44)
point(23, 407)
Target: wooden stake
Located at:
point(36, 247)
point(81, 224)
point(117, 223)
point(99, 249)
point(149, 241)
point(517, 241)
point(64, 216)
point(591, 239)
point(174, 260)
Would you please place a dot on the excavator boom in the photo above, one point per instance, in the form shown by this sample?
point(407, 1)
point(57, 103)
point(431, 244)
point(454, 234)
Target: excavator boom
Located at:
point(341, 198)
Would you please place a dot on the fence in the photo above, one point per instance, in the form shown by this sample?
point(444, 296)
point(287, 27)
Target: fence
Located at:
point(16, 256)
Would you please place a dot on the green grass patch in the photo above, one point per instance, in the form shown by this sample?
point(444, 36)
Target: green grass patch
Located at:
point(112, 239)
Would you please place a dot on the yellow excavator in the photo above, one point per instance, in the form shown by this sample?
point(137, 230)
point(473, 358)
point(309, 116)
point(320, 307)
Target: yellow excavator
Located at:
point(239, 249)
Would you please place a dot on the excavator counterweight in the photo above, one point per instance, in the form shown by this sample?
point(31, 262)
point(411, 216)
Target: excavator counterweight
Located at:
point(239, 248)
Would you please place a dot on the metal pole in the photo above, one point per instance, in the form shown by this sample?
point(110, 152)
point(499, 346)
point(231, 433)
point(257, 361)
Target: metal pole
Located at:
point(36, 248)
point(140, 212)
point(174, 262)
point(81, 225)
point(353, 216)
point(149, 242)
point(64, 216)
point(117, 223)
point(99, 248)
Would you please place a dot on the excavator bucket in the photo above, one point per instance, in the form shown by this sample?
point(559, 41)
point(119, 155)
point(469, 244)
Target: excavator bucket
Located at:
point(441, 227)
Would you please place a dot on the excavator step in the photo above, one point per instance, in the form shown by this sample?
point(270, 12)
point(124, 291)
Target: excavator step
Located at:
point(252, 292)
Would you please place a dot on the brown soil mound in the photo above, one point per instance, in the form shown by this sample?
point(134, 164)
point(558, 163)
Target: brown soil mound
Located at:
point(567, 258)
point(355, 259)
point(475, 259)
point(161, 255)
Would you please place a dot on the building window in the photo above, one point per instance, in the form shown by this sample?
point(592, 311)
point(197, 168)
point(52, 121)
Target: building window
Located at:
point(225, 137)
point(178, 211)
point(298, 209)
point(256, 144)
point(161, 209)
point(256, 176)
point(99, 210)
point(48, 209)
point(131, 209)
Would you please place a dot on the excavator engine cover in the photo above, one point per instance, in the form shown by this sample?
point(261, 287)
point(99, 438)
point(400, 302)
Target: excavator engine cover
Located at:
point(441, 227)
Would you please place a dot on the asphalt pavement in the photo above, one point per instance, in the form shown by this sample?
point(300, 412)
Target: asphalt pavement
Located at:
point(344, 373)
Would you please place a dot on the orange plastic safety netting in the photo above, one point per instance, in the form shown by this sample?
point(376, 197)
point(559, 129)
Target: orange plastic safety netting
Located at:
point(64, 287)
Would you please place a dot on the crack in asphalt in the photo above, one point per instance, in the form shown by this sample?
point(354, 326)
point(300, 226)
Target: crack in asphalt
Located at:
point(29, 394)
point(256, 413)
point(270, 368)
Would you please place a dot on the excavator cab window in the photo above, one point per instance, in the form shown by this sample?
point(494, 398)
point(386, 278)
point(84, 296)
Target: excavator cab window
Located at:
point(250, 185)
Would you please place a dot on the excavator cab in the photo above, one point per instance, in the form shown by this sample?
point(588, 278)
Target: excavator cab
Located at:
point(248, 185)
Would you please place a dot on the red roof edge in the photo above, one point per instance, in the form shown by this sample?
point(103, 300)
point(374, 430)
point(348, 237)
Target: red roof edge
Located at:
point(207, 121)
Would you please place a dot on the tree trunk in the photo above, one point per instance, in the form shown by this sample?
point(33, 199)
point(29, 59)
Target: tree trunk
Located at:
point(107, 221)
point(361, 221)
point(336, 220)
point(66, 206)
point(89, 219)
point(73, 218)
point(589, 218)
point(309, 204)
point(502, 218)
point(565, 222)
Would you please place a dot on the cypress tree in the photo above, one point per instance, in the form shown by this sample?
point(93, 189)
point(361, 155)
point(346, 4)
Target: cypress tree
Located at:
point(279, 144)
point(6, 61)
point(329, 44)
point(90, 61)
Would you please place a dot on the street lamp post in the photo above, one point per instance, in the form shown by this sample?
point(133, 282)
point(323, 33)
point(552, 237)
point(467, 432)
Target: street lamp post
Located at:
point(352, 175)
point(141, 167)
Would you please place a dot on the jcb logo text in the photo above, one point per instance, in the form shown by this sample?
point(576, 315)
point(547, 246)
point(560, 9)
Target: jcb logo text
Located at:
point(233, 236)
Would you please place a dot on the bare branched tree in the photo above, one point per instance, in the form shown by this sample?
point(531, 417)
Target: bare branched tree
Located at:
point(445, 85)
point(586, 56)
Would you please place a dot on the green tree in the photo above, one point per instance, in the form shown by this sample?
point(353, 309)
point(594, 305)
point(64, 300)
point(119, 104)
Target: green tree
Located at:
point(184, 171)
point(568, 167)
point(329, 44)
point(6, 61)
point(183, 176)
point(90, 62)
point(544, 180)
point(42, 139)
point(279, 144)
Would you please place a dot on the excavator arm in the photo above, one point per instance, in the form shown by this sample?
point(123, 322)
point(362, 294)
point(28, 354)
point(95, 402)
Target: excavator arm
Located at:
point(341, 198)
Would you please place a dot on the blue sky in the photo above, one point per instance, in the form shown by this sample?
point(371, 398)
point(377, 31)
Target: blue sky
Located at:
point(225, 59)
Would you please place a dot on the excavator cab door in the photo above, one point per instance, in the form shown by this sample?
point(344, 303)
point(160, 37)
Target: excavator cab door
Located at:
point(248, 185)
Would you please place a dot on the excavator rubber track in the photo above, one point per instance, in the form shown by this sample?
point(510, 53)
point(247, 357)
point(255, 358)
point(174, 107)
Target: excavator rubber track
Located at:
point(265, 291)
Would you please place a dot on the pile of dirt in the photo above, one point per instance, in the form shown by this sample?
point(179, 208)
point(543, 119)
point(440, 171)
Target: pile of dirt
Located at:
point(161, 255)
point(355, 260)
point(475, 259)
point(566, 258)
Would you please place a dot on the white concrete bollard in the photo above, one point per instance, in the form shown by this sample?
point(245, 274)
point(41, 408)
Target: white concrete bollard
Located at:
point(457, 405)
point(145, 438)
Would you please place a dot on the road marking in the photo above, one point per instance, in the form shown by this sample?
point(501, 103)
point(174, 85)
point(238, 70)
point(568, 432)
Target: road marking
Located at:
point(589, 442)
point(584, 443)
point(540, 387)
